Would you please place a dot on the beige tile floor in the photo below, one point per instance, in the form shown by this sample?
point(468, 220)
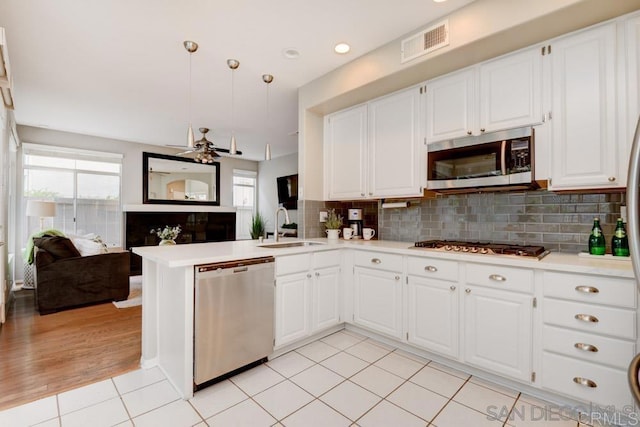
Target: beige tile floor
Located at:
point(341, 380)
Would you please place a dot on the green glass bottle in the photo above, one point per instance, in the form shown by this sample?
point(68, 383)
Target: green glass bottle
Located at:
point(596, 239)
point(619, 241)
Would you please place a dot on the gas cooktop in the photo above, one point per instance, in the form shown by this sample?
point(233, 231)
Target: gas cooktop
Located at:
point(485, 248)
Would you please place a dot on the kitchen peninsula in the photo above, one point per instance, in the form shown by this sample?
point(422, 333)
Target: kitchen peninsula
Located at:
point(506, 318)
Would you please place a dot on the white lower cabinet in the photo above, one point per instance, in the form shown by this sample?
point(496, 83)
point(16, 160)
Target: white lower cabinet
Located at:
point(589, 337)
point(307, 295)
point(432, 305)
point(378, 292)
point(498, 331)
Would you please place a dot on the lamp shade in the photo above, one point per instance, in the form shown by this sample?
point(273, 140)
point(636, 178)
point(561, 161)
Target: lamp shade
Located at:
point(41, 208)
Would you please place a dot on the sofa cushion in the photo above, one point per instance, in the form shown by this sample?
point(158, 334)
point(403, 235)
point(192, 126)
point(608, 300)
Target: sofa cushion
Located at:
point(90, 244)
point(59, 247)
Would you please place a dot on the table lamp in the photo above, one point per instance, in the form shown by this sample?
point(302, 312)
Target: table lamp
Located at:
point(42, 209)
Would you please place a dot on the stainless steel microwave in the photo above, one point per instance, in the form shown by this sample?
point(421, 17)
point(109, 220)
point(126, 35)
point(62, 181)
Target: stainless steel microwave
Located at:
point(492, 161)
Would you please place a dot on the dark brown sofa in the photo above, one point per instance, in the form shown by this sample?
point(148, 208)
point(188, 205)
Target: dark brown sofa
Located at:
point(64, 279)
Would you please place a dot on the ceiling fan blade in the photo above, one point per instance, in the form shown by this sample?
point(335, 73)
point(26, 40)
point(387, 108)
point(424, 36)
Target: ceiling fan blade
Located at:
point(185, 152)
point(226, 150)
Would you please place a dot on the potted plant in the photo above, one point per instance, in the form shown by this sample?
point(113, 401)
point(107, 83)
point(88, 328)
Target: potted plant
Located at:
point(258, 225)
point(167, 235)
point(333, 224)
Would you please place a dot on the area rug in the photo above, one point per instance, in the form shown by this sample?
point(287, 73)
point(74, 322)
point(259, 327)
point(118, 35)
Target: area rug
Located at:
point(135, 294)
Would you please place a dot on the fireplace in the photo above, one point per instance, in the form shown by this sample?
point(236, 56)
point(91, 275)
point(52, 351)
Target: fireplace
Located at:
point(197, 227)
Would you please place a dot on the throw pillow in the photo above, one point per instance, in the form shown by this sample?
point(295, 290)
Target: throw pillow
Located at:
point(59, 247)
point(89, 244)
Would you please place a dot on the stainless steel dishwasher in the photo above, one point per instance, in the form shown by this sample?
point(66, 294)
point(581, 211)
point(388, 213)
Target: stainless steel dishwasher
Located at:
point(234, 306)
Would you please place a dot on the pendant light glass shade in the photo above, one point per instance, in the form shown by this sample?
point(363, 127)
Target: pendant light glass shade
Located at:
point(191, 47)
point(233, 146)
point(267, 78)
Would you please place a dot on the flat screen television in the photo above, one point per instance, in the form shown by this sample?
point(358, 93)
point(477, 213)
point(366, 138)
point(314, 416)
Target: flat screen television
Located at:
point(288, 191)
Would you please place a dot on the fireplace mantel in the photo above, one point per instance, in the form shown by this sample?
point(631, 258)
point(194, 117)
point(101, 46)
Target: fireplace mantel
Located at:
point(176, 208)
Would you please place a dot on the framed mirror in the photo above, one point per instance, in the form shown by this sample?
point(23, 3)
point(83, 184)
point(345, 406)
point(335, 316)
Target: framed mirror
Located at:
point(178, 180)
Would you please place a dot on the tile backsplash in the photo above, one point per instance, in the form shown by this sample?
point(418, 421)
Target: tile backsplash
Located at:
point(559, 222)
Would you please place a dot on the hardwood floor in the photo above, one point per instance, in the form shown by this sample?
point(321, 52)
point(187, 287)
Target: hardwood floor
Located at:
point(44, 355)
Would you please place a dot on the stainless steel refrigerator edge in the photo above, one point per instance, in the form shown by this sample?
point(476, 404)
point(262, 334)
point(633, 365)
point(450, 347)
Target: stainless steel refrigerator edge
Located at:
point(234, 316)
point(633, 222)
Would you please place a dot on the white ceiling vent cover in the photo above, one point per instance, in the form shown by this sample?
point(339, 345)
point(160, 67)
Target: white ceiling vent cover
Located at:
point(426, 41)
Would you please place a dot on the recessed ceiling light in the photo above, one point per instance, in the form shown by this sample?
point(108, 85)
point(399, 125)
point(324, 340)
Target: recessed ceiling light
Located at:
point(291, 53)
point(342, 48)
point(439, 1)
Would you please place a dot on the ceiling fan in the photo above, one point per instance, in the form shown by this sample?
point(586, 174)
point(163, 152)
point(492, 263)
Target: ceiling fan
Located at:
point(206, 151)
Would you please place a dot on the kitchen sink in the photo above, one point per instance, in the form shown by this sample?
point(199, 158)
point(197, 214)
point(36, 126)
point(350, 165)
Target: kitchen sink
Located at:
point(290, 244)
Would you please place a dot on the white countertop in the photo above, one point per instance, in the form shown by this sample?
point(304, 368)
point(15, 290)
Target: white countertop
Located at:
point(205, 253)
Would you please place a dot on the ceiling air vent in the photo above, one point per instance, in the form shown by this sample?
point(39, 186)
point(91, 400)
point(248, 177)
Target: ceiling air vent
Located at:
point(426, 41)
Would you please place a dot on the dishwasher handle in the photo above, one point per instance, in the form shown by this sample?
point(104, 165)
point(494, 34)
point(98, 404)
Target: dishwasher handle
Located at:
point(238, 265)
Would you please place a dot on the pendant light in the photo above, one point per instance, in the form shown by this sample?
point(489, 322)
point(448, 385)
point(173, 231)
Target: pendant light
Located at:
point(191, 47)
point(267, 78)
point(233, 147)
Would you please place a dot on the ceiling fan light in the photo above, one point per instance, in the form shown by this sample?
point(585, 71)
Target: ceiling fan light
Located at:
point(190, 137)
point(233, 146)
point(267, 151)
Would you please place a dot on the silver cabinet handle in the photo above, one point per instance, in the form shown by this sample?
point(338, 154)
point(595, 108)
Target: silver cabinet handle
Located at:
point(585, 382)
point(586, 318)
point(498, 278)
point(317, 274)
point(468, 290)
point(612, 178)
point(586, 347)
point(468, 132)
point(362, 194)
point(453, 288)
point(397, 277)
point(308, 275)
point(375, 261)
point(430, 269)
point(587, 289)
point(482, 129)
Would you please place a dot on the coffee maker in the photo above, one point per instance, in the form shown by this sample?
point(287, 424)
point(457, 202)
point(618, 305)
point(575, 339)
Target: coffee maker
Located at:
point(355, 222)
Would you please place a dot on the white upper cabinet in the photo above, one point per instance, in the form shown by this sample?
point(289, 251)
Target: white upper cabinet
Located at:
point(511, 91)
point(450, 106)
point(394, 145)
point(374, 150)
point(345, 145)
point(584, 151)
point(630, 92)
point(503, 93)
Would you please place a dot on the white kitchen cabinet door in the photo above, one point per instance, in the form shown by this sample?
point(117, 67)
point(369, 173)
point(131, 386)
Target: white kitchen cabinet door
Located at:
point(584, 137)
point(630, 91)
point(511, 91)
point(378, 300)
point(326, 298)
point(451, 106)
point(433, 315)
point(292, 307)
point(395, 145)
point(498, 331)
point(345, 156)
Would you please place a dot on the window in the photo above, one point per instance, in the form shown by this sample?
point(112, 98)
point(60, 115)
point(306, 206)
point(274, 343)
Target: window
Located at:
point(85, 186)
point(244, 200)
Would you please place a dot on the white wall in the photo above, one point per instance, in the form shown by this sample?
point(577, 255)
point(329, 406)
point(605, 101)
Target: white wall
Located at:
point(481, 30)
point(268, 171)
point(132, 161)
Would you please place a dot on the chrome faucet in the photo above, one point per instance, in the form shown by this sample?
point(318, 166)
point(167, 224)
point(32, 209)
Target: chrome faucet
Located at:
point(286, 220)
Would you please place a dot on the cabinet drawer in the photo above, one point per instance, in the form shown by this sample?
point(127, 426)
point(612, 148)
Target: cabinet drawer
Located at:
point(499, 277)
point(292, 264)
point(326, 259)
point(592, 289)
point(558, 373)
point(590, 347)
point(433, 268)
point(616, 322)
point(378, 260)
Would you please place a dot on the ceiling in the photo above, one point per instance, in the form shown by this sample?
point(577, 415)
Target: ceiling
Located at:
point(118, 69)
